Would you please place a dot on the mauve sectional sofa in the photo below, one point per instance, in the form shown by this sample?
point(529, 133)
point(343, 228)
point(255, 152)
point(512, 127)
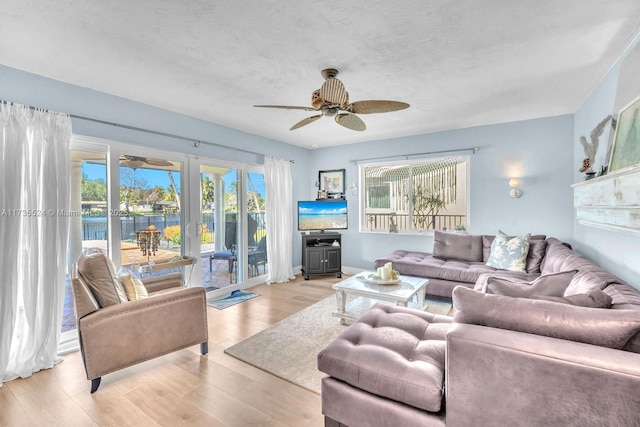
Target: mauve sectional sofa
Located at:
point(500, 360)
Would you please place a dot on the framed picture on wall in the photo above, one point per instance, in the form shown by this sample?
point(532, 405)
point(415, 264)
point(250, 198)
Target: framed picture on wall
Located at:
point(626, 142)
point(332, 181)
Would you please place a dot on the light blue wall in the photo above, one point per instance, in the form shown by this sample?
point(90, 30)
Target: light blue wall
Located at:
point(540, 152)
point(616, 252)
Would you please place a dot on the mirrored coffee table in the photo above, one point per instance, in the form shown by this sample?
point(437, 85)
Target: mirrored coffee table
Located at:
point(408, 293)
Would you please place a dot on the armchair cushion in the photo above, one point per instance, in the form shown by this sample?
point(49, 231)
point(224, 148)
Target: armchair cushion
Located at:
point(101, 275)
point(606, 328)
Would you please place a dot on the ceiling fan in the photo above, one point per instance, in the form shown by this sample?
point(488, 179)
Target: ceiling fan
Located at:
point(135, 162)
point(332, 100)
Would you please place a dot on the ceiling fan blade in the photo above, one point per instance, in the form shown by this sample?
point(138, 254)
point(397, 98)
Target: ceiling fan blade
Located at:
point(286, 107)
point(305, 122)
point(157, 162)
point(350, 121)
point(369, 107)
point(333, 92)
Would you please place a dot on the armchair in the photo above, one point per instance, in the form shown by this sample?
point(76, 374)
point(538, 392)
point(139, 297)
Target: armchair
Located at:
point(115, 333)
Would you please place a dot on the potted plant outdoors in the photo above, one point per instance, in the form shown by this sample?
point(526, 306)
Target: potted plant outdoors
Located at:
point(460, 229)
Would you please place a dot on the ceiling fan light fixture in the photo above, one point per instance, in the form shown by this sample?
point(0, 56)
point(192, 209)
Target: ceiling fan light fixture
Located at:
point(133, 164)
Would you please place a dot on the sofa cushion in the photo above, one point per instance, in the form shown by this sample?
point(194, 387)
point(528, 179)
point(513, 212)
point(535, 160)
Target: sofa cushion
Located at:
point(393, 352)
point(548, 285)
point(100, 274)
point(537, 249)
point(606, 328)
point(422, 264)
point(593, 299)
point(464, 247)
point(509, 253)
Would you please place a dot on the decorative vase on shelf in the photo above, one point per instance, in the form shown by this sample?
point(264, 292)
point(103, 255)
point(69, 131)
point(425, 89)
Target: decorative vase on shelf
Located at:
point(589, 175)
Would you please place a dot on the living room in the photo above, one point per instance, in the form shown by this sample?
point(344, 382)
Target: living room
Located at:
point(544, 152)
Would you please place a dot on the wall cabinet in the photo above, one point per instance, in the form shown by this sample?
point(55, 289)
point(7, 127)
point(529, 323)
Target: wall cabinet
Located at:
point(321, 254)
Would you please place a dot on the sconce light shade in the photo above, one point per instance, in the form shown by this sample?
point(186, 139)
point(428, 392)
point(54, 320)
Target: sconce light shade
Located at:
point(515, 191)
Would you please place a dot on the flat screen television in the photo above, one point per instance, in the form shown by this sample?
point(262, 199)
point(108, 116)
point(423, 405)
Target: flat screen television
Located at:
point(322, 215)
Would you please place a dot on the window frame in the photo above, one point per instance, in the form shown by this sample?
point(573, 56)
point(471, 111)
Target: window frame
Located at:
point(365, 212)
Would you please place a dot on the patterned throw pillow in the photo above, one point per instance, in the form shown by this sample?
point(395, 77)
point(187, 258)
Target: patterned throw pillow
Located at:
point(509, 253)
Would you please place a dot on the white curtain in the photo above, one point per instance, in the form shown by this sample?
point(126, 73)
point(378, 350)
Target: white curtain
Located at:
point(34, 229)
point(279, 218)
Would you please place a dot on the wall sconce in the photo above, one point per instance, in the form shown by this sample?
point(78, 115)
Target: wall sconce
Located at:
point(515, 191)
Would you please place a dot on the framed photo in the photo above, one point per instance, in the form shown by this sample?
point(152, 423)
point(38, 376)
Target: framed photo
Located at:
point(332, 181)
point(626, 142)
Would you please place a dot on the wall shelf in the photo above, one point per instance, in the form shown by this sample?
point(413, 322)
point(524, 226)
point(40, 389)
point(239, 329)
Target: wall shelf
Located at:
point(610, 202)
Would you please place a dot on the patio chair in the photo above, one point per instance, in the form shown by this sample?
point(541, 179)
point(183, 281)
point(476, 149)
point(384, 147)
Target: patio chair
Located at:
point(123, 320)
point(258, 256)
point(230, 253)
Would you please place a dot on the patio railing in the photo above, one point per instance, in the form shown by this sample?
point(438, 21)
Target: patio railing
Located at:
point(382, 221)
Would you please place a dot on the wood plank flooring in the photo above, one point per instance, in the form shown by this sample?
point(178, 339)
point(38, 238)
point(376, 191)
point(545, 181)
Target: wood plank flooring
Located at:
point(181, 388)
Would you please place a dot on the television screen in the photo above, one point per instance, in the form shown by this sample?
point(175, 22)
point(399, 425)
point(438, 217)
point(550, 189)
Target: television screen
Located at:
point(322, 215)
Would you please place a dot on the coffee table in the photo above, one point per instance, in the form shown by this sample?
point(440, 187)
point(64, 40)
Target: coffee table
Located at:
point(409, 292)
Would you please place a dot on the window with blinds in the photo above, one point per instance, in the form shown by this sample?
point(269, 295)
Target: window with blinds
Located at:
point(429, 194)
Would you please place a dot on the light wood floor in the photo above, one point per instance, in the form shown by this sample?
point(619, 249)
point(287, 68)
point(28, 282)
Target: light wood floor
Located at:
point(181, 388)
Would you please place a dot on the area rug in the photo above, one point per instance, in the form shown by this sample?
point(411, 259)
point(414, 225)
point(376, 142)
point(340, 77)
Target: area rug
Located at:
point(289, 348)
point(236, 297)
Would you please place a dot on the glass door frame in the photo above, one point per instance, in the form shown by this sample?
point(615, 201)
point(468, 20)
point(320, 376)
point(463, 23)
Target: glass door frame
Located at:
point(193, 220)
point(190, 203)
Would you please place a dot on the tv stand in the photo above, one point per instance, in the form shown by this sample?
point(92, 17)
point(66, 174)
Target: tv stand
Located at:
point(320, 253)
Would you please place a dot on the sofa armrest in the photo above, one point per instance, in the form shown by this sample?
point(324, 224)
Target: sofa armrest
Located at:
point(158, 283)
point(124, 334)
point(524, 379)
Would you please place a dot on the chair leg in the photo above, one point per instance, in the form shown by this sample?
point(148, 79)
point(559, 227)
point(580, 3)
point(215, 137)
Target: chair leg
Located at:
point(204, 348)
point(95, 383)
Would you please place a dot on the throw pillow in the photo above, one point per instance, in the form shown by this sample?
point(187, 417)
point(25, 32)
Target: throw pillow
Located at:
point(133, 286)
point(100, 274)
point(606, 328)
point(552, 285)
point(593, 299)
point(537, 250)
point(509, 253)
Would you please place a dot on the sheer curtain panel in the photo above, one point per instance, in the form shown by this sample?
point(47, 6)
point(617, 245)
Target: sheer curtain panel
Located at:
point(279, 218)
point(34, 228)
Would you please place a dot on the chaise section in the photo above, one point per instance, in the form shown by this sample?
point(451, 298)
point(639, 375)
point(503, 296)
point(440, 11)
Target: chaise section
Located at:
point(502, 377)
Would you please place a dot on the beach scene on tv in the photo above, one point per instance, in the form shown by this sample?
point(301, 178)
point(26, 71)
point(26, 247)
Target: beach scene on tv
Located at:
point(327, 215)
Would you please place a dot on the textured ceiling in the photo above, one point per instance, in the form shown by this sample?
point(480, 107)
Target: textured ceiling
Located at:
point(459, 63)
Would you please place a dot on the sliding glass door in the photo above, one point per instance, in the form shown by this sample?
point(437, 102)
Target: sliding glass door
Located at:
point(150, 210)
point(148, 207)
point(230, 225)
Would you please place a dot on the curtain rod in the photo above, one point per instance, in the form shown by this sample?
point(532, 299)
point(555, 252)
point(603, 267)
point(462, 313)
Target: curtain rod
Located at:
point(406, 156)
point(196, 142)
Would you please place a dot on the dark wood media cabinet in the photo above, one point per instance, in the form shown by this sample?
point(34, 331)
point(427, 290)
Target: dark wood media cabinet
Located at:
point(320, 254)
